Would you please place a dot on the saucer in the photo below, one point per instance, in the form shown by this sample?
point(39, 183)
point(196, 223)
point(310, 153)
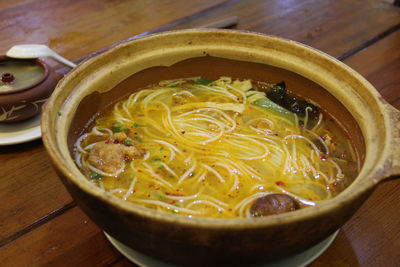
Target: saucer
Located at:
point(20, 132)
point(302, 259)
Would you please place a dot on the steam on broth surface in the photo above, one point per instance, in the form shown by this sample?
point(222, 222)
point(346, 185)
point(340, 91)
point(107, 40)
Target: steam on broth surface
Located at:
point(222, 149)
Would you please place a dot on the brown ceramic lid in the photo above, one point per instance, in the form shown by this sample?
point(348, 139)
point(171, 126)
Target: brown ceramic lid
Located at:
point(24, 86)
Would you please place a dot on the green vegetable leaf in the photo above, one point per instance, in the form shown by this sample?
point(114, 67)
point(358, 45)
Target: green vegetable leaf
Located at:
point(95, 175)
point(202, 81)
point(128, 142)
point(118, 127)
point(268, 105)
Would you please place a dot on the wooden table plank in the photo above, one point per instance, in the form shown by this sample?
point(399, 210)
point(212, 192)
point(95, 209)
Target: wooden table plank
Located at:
point(331, 26)
point(123, 262)
point(68, 240)
point(74, 28)
point(29, 188)
point(381, 66)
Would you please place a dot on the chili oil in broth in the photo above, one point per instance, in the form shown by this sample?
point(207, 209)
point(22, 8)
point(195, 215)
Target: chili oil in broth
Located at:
point(204, 148)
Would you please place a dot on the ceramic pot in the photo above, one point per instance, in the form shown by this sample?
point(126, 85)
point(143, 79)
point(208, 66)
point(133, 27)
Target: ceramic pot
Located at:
point(371, 122)
point(25, 102)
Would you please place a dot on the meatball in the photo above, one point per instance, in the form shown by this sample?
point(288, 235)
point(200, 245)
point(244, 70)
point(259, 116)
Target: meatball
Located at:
point(273, 204)
point(107, 157)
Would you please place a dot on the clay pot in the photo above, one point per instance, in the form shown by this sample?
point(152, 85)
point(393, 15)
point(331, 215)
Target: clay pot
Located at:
point(23, 103)
point(99, 82)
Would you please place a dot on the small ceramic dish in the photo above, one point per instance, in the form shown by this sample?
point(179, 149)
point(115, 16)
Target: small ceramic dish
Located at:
point(25, 84)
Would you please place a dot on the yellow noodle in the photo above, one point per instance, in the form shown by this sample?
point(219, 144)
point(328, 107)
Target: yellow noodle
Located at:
point(208, 151)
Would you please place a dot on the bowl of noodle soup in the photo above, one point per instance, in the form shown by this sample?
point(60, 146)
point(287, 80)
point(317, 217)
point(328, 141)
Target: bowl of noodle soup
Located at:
point(218, 146)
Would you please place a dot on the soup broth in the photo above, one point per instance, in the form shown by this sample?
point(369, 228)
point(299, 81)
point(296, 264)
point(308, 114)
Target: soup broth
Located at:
point(222, 149)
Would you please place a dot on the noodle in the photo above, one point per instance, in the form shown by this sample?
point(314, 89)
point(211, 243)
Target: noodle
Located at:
point(208, 150)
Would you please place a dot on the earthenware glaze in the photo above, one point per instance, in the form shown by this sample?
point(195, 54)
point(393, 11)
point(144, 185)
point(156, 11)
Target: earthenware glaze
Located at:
point(102, 80)
point(23, 103)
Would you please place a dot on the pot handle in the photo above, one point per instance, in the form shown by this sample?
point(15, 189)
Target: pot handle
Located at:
point(391, 168)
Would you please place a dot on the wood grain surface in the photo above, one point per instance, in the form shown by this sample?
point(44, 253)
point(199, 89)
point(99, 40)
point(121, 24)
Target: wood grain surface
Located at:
point(39, 222)
point(74, 28)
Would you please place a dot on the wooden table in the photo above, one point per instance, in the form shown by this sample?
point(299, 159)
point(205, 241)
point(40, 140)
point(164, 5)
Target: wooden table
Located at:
point(39, 222)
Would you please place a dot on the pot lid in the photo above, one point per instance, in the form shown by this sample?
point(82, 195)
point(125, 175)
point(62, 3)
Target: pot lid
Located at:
point(16, 74)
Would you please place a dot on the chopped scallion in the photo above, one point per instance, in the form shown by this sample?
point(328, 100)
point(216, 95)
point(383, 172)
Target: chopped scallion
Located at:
point(128, 142)
point(118, 127)
point(95, 175)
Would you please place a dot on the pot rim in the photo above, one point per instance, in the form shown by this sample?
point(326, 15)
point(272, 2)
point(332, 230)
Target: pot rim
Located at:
point(37, 61)
point(58, 158)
